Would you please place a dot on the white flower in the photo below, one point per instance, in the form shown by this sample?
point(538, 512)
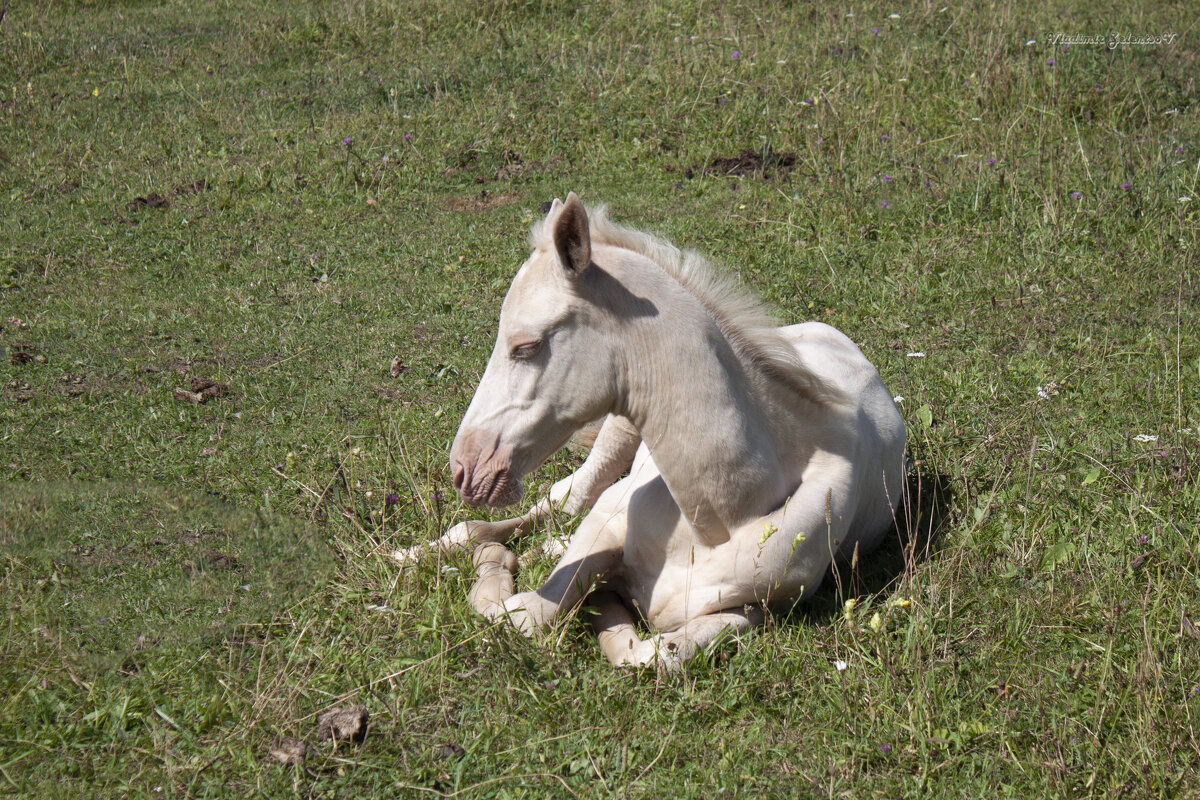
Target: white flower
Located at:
point(1030, 42)
point(1145, 437)
point(839, 665)
point(898, 399)
point(893, 16)
point(1185, 199)
point(916, 354)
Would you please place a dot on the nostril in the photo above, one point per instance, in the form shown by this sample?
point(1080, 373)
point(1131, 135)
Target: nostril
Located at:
point(457, 473)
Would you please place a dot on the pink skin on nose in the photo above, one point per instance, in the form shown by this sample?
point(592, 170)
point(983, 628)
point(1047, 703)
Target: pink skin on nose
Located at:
point(482, 469)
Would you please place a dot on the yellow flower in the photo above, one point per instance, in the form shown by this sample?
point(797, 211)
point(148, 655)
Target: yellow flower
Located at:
point(768, 531)
point(848, 609)
point(95, 92)
point(876, 622)
point(900, 602)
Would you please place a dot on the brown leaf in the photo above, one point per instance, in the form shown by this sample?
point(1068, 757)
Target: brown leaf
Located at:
point(186, 396)
point(289, 752)
point(343, 724)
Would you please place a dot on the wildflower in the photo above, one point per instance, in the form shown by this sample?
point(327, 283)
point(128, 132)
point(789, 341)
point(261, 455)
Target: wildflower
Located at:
point(820, 140)
point(736, 54)
point(884, 203)
point(898, 399)
point(1185, 199)
point(887, 179)
point(348, 141)
point(1076, 194)
point(840, 665)
point(1126, 185)
point(885, 138)
point(408, 137)
point(392, 499)
point(893, 16)
point(848, 608)
point(1145, 437)
point(991, 161)
point(875, 31)
point(900, 602)
point(915, 354)
point(1051, 61)
point(927, 183)
point(1066, 47)
point(885, 748)
point(876, 622)
point(1031, 42)
point(768, 532)
point(1179, 150)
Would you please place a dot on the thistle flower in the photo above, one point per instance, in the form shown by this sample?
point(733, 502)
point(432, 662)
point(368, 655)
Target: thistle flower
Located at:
point(347, 141)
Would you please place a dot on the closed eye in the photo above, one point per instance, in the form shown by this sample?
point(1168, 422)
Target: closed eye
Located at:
point(524, 352)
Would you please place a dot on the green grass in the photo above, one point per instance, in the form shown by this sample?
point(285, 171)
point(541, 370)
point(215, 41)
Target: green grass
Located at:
point(186, 584)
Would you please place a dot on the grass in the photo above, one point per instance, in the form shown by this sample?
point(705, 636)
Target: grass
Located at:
point(327, 187)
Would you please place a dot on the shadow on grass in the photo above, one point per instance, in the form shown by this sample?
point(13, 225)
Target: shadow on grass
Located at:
point(921, 519)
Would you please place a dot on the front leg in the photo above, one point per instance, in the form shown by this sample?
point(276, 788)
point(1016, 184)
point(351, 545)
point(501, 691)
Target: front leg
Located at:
point(610, 457)
point(593, 553)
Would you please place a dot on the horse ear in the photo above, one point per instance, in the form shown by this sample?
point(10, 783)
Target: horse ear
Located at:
point(572, 239)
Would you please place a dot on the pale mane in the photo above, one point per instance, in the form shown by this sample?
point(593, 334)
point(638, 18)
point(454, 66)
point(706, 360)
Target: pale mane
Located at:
point(748, 327)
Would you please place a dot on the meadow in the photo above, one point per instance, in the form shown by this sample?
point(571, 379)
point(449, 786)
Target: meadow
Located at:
point(251, 264)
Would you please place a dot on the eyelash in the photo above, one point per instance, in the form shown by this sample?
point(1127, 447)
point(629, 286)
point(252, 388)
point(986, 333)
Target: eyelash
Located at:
point(526, 351)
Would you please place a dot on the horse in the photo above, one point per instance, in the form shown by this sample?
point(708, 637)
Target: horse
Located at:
point(735, 461)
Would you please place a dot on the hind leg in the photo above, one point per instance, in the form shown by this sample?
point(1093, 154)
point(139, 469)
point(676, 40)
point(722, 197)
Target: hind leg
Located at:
point(621, 645)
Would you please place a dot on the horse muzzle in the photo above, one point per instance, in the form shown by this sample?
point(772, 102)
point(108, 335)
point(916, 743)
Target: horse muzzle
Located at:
point(483, 470)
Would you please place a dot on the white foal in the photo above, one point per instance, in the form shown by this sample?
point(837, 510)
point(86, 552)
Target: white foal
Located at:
point(752, 455)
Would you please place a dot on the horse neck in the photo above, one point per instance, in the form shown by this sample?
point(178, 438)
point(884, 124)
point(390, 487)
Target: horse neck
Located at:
point(715, 425)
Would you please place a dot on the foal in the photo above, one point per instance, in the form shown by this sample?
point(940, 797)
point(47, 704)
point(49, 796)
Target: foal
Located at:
point(752, 455)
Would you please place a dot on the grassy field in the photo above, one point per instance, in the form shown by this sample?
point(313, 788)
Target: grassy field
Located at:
point(314, 210)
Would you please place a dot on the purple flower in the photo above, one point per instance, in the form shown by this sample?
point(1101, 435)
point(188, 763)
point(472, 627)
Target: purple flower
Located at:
point(1077, 194)
point(392, 499)
point(820, 140)
point(1193, 692)
point(1126, 185)
point(884, 203)
point(991, 161)
point(408, 137)
point(1051, 61)
point(927, 183)
point(875, 31)
point(885, 748)
point(886, 178)
point(348, 141)
point(885, 138)
point(1066, 47)
point(736, 54)
point(1179, 150)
